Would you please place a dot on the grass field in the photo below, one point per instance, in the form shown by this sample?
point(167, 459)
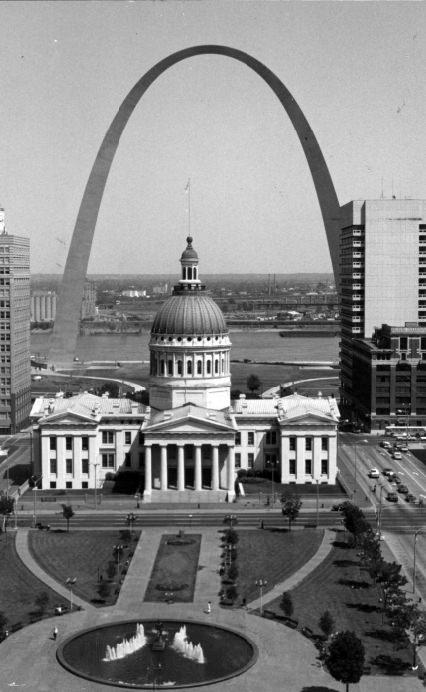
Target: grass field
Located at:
point(175, 569)
point(86, 555)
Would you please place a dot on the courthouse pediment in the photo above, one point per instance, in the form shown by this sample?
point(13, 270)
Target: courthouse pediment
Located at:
point(189, 418)
point(67, 419)
point(301, 417)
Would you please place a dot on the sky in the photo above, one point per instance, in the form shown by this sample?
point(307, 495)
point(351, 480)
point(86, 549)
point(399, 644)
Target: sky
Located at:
point(357, 70)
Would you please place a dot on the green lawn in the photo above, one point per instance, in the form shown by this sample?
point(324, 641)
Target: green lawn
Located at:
point(272, 555)
point(175, 569)
point(19, 588)
point(86, 555)
point(343, 587)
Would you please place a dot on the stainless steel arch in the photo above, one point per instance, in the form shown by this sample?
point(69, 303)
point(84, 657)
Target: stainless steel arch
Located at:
point(64, 336)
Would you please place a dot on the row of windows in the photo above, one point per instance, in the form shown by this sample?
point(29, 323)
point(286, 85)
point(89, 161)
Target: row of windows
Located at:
point(179, 367)
point(69, 467)
point(308, 443)
point(270, 438)
point(308, 467)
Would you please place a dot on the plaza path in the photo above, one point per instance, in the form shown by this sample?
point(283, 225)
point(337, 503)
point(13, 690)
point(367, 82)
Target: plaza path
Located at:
point(286, 663)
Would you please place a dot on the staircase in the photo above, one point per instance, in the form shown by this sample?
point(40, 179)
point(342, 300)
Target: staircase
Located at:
point(187, 496)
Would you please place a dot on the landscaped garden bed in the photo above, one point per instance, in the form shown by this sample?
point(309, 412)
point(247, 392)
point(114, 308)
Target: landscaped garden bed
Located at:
point(175, 569)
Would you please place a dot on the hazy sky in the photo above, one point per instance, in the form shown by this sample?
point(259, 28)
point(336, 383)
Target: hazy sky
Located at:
point(357, 70)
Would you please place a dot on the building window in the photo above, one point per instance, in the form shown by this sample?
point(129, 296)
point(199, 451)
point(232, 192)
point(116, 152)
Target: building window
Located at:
point(52, 485)
point(209, 367)
point(292, 467)
point(271, 437)
point(53, 467)
point(199, 367)
point(170, 367)
point(250, 438)
point(324, 444)
point(189, 367)
point(324, 467)
point(308, 467)
point(250, 460)
point(162, 368)
point(85, 466)
point(292, 444)
point(68, 484)
point(127, 437)
point(216, 367)
point(68, 466)
point(237, 460)
point(127, 459)
point(108, 461)
point(179, 367)
point(53, 443)
point(84, 485)
point(107, 437)
point(85, 443)
point(238, 438)
point(68, 443)
point(308, 444)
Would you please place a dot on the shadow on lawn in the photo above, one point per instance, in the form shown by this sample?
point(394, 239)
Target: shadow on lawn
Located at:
point(354, 583)
point(384, 635)
point(391, 665)
point(346, 563)
point(342, 545)
point(364, 607)
point(318, 688)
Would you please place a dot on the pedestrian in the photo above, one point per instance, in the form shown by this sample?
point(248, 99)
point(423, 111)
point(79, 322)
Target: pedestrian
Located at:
point(209, 607)
point(55, 633)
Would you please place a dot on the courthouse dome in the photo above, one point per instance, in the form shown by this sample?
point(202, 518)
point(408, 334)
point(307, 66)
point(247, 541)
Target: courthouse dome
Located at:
point(191, 314)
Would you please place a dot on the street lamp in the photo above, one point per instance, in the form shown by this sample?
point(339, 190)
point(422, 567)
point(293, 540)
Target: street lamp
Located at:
point(261, 583)
point(190, 520)
point(34, 505)
point(95, 465)
point(317, 482)
point(416, 533)
point(130, 520)
point(71, 581)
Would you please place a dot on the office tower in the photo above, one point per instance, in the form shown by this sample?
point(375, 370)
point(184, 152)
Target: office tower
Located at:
point(383, 281)
point(15, 367)
point(88, 304)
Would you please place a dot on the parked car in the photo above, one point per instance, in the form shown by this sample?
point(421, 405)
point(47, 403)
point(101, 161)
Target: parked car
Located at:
point(402, 489)
point(373, 473)
point(410, 497)
point(392, 497)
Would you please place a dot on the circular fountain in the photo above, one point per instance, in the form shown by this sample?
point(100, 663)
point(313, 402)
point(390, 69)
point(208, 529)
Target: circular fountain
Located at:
point(152, 654)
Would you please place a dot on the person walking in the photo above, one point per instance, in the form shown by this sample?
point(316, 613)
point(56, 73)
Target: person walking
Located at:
point(209, 607)
point(55, 633)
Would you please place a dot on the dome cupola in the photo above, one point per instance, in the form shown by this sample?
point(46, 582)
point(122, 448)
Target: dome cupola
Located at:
point(189, 345)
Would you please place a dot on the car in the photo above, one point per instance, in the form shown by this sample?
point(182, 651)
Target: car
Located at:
point(395, 479)
point(373, 473)
point(403, 448)
point(385, 444)
point(402, 489)
point(392, 497)
point(410, 497)
point(397, 455)
point(388, 472)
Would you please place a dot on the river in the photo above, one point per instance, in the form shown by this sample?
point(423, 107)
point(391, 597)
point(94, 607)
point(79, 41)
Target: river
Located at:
point(258, 345)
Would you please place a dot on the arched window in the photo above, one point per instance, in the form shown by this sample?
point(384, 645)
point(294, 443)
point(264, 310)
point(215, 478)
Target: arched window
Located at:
point(195, 272)
point(190, 273)
point(209, 367)
point(216, 366)
point(179, 367)
point(189, 367)
point(223, 365)
point(199, 367)
point(162, 367)
point(170, 367)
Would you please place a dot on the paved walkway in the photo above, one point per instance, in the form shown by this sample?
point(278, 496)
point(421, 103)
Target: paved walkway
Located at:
point(287, 661)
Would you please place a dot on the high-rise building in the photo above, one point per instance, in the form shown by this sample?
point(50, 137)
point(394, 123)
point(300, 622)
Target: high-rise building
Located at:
point(88, 304)
point(15, 364)
point(383, 276)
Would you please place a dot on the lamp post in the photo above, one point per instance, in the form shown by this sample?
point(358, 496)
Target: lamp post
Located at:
point(317, 520)
point(190, 521)
point(416, 533)
point(416, 642)
point(261, 583)
point(95, 466)
point(34, 505)
point(70, 582)
point(131, 518)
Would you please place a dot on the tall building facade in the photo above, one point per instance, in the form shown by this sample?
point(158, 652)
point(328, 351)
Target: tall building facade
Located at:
point(88, 304)
point(382, 277)
point(43, 306)
point(15, 347)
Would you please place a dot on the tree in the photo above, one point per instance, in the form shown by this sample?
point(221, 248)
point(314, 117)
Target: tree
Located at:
point(3, 622)
point(326, 623)
point(290, 507)
point(286, 604)
point(345, 658)
point(6, 505)
point(253, 382)
point(354, 521)
point(67, 513)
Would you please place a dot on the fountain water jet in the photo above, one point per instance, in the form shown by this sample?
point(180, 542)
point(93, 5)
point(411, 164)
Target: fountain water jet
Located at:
point(192, 651)
point(126, 646)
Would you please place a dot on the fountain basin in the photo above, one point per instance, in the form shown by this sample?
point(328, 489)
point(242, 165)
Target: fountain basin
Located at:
point(127, 654)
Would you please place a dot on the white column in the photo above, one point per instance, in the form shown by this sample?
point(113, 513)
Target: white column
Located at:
point(163, 472)
point(231, 471)
point(197, 469)
point(181, 468)
point(148, 470)
point(316, 457)
point(215, 467)
point(300, 458)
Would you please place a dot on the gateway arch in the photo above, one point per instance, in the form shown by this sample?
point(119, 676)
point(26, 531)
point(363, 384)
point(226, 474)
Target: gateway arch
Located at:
point(65, 331)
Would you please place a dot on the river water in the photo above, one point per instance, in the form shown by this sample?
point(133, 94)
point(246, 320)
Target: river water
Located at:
point(256, 344)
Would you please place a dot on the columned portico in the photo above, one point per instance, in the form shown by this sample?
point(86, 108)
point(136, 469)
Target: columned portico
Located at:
point(181, 468)
point(215, 467)
point(164, 469)
point(148, 471)
point(197, 474)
